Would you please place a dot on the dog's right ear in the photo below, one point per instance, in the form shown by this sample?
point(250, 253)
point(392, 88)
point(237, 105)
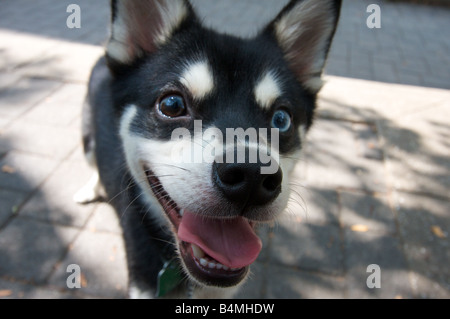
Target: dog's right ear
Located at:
point(140, 27)
point(304, 30)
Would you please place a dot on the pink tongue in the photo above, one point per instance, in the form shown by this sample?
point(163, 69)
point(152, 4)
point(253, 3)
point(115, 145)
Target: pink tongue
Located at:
point(232, 243)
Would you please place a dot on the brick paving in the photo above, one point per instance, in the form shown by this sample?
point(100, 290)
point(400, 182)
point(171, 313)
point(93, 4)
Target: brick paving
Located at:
point(370, 188)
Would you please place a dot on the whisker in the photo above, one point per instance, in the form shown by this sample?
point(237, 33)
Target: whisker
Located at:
point(130, 204)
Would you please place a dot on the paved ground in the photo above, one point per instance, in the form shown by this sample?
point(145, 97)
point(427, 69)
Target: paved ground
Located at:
point(371, 188)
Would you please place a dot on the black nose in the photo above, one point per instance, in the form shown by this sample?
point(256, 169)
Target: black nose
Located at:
point(244, 183)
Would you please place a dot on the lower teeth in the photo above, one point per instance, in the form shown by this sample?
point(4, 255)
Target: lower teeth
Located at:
point(215, 265)
point(207, 262)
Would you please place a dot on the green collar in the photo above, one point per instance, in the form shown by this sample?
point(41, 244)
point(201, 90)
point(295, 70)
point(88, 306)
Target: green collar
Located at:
point(169, 277)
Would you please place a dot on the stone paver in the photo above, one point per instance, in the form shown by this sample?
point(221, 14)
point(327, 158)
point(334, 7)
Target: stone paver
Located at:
point(11, 201)
point(371, 212)
point(24, 172)
point(424, 224)
point(66, 180)
point(53, 142)
point(18, 290)
point(104, 219)
point(309, 247)
point(90, 250)
point(20, 97)
point(371, 186)
point(332, 166)
point(30, 249)
point(363, 249)
point(290, 283)
point(60, 109)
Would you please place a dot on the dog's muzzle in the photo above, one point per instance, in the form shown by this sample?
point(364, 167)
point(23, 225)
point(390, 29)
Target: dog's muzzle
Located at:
point(218, 248)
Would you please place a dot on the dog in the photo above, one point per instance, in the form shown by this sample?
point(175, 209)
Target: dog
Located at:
point(190, 222)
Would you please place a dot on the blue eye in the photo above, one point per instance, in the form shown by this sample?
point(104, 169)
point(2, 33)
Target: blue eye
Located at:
point(282, 121)
point(172, 106)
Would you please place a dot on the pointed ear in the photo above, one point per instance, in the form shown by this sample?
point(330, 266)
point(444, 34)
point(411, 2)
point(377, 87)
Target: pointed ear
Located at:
point(142, 26)
point(304, 30)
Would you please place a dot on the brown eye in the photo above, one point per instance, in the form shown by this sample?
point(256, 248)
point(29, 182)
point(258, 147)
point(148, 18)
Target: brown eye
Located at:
point(172, 106)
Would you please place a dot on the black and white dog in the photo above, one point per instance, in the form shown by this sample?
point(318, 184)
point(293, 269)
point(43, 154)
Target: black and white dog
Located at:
point(189, 221)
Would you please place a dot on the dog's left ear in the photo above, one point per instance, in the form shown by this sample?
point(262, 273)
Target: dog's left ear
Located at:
point(140, 27)
point(304, 30)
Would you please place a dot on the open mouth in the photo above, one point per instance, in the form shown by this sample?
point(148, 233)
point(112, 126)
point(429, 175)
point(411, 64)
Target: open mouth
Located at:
point(216, 252)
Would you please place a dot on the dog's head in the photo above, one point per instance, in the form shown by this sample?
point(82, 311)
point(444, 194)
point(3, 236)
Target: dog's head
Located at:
point(211, 124)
